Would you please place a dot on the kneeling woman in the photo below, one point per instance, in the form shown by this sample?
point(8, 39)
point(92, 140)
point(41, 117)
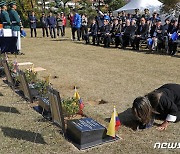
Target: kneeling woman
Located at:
point(162, 103)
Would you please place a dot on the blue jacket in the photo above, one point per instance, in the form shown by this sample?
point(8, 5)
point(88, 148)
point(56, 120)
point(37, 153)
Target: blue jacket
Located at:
point(51, 21)
point(32, 21)
point(77, 21)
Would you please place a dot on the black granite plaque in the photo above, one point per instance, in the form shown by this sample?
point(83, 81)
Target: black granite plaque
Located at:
point(85, 130)
point(86, 133)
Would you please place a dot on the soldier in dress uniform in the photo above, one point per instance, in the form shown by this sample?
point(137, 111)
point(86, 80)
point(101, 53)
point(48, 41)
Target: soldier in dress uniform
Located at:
point(137, 16)
point(146, 14)
point(1, 26)
point(15, 24)
point(5, 16)
point(0, 13)
point(123, 17)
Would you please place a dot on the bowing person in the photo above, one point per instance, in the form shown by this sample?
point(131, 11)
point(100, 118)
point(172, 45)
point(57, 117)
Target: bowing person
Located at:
point(162, 103)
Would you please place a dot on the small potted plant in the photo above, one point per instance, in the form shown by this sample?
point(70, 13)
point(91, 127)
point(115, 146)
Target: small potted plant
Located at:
point(41, 87)
point(70, 107)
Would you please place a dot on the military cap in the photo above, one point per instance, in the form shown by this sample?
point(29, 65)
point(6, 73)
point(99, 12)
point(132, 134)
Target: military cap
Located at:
point(158, 20)
point(168, 18)
point(173, 20)
point(2, 3)
point(154, 12)
point(12, 3)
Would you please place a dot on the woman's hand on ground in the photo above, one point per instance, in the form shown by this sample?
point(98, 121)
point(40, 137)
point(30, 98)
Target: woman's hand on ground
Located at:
point(163, 126)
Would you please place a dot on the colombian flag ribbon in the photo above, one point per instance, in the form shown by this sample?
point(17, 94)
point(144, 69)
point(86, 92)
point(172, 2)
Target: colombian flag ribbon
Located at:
point(81, 104)
point(114, 124)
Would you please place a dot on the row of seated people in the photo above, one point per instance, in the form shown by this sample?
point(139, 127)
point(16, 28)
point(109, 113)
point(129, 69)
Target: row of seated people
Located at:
point(156, 35)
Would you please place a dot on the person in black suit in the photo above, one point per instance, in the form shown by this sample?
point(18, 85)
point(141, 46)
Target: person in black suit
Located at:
point(33, 22)
point(141, 34)
point(44, 25)
point(172, 42)
point(165, 33)
point(128, 33)
point(137, 16)
point(146, 14)
point(106, 33)
point(116, 32)
point(157, 35)
point(92, 32)
point(162, 103)
point(166, 26)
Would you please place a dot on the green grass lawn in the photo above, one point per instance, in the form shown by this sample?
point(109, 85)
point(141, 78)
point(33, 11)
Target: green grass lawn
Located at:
point(114, 75)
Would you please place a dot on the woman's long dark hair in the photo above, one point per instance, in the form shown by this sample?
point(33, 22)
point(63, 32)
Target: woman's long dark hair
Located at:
point(144, 107)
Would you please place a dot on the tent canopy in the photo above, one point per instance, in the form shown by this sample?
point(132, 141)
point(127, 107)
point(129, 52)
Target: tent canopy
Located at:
point(152, 5)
